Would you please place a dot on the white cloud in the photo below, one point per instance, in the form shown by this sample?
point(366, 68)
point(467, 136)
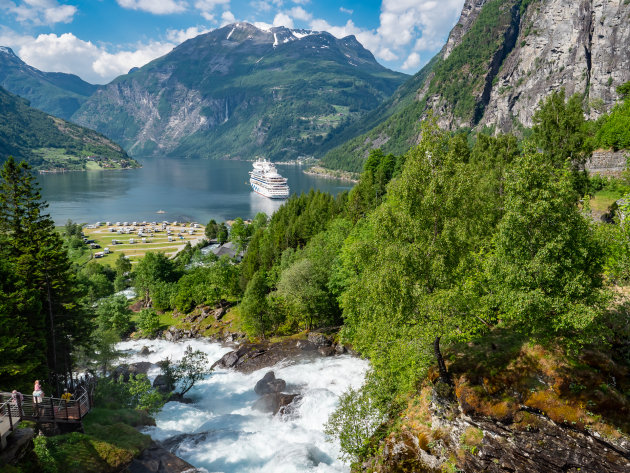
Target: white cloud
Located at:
point(346, 10)
point(406, 27)
point(282, 19)
point(227, 17)
point(300, 14)
point(412, 61)
point(179, 36)
point(158, 7)
point(39, 12)
point(92, 62)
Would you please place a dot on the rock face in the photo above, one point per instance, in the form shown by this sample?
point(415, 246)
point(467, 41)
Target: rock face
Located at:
point(530, 443)
point(608, 163)
point(236, 91)
point(156, 459)
point(581, 46)
point(501, 59)
point(269, 384)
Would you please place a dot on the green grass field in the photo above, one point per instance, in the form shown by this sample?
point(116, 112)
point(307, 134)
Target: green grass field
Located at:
point(134, 251)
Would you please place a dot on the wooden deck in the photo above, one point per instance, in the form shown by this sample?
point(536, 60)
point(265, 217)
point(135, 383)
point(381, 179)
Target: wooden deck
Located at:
point(49, 410)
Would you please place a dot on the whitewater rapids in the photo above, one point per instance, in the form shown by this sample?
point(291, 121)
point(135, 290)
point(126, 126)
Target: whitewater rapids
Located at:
point(220, 432)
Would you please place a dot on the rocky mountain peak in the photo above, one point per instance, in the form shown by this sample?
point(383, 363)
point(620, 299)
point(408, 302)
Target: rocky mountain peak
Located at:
point(5, 50)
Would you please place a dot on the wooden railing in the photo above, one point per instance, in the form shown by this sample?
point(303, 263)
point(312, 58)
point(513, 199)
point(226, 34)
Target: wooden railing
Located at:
point(49, 409)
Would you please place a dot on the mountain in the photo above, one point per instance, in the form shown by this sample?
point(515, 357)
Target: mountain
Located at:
point(53, 92)
point(50, 143)
point(500, 60)
point(240, 91)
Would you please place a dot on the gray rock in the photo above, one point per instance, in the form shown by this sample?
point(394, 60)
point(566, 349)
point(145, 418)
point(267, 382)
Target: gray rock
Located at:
point(275, 402)
point(340, 349)
point(156, 459)
point(319, 339)
point(326, 351)
point(144, 351)
point(269, 384)
point(162, 385)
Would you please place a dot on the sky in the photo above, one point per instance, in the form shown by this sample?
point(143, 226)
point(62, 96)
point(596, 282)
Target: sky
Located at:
point(101, 39)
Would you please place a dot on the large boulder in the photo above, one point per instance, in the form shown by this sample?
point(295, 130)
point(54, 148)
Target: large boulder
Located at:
point(126, 370)
point(162, 384)
point(319, 339)
point(269, 384)
point(275, 402)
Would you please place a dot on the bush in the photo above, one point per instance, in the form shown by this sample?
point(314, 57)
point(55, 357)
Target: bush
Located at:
point(149, 322)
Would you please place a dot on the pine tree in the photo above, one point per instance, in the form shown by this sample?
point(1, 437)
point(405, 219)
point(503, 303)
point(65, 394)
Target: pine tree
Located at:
point(40, 264)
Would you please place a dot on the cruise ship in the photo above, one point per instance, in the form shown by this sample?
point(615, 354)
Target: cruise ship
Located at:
point(265, 180)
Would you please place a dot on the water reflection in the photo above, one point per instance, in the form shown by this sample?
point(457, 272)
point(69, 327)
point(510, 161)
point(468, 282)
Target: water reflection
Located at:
point(185, 189)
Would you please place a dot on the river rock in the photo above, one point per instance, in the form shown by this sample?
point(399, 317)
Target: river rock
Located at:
point(326, 350)
point(156, 459)
point(305, 345)
point(340, 349)
point(126, 370)
point(144, 351)
point(269, 384)
point(162, 385)
point(319, 339)
point(275, 402)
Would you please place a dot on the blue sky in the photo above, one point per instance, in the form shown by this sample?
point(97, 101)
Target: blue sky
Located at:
point(101, 39)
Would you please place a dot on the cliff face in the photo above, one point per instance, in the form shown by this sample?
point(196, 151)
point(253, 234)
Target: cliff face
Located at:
point(581, 46)
point(501, 59)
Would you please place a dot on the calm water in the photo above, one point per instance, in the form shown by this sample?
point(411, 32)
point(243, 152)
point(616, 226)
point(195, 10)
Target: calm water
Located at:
point(190, 190)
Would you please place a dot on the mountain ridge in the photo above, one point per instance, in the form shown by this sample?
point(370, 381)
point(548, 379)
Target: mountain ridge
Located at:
point(240, 91)
point(56, 93)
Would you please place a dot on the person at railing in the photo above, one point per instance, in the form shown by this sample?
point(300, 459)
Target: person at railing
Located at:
point(17, 400)
point(38, 397)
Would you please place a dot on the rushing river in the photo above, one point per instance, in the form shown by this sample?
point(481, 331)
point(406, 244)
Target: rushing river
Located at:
point(182, 190)
point(226, 435)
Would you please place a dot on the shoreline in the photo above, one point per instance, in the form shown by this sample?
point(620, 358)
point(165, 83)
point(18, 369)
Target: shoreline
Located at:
point(318, 171)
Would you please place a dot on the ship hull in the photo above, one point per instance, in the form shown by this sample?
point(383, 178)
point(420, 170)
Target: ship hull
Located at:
point(265, 192)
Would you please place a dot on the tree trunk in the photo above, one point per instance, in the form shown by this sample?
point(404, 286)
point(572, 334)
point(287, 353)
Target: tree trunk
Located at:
point(445, 377)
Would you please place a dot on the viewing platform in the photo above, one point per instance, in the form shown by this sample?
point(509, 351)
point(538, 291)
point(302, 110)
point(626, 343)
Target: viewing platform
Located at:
point(50, 410)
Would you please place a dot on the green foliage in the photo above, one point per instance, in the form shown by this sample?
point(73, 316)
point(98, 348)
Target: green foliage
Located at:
point(122, 265)
point(212, 229)
point(148, 322)
point(613, 129)
point(27, 133)
point(353, 423)
point(153, 269)
point(254, 307)
point(193, 367)
point(222, 234)
point(113, 313)
point(615, 239)
point(136, 393)
point(41, 296)
point(546, 266)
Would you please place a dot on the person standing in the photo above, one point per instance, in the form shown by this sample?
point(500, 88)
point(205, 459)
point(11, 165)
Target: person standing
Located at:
point(38, 397)
point(17, 399)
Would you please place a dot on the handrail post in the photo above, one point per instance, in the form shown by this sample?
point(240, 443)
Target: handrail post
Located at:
point(79, 407)
point(52, 408)
point(65, 402)
point(19, 404)
point(8, 405)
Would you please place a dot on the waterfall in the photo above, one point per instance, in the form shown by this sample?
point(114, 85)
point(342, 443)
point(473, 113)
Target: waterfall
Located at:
point(221, 432)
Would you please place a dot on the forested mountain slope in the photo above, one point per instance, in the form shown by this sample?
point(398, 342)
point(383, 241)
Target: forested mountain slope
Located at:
point(48, 142)
point(53, 92)
point(240, 91)
point(501, 59)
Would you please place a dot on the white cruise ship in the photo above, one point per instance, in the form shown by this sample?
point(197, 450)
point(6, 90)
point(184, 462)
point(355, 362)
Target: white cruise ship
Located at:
point(265, 180)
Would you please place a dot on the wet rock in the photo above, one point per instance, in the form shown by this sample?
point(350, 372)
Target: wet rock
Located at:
point(305, 345)
point(319, 339)
point(340, 349)
point(162, 385)
point(326, 351)
point(144, 351)
point(19, 444)
point(269, 384)
point(156, 459)
point(275, 402)
point(126, 370)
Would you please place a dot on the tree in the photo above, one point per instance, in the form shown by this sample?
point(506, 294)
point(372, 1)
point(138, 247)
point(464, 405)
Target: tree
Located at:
point(240, 234)
point(154, 268)
point(254, 308)
point(561, 133)
point(409, 270)
point(122, 265)
point(113, 313)
point(222, 234)
point(212, 229)
point(191, 368)
point(148, 322)
point(41, 264)
point(546, 266)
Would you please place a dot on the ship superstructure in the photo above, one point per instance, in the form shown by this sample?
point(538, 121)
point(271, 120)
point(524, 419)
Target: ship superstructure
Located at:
point(265, 180)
